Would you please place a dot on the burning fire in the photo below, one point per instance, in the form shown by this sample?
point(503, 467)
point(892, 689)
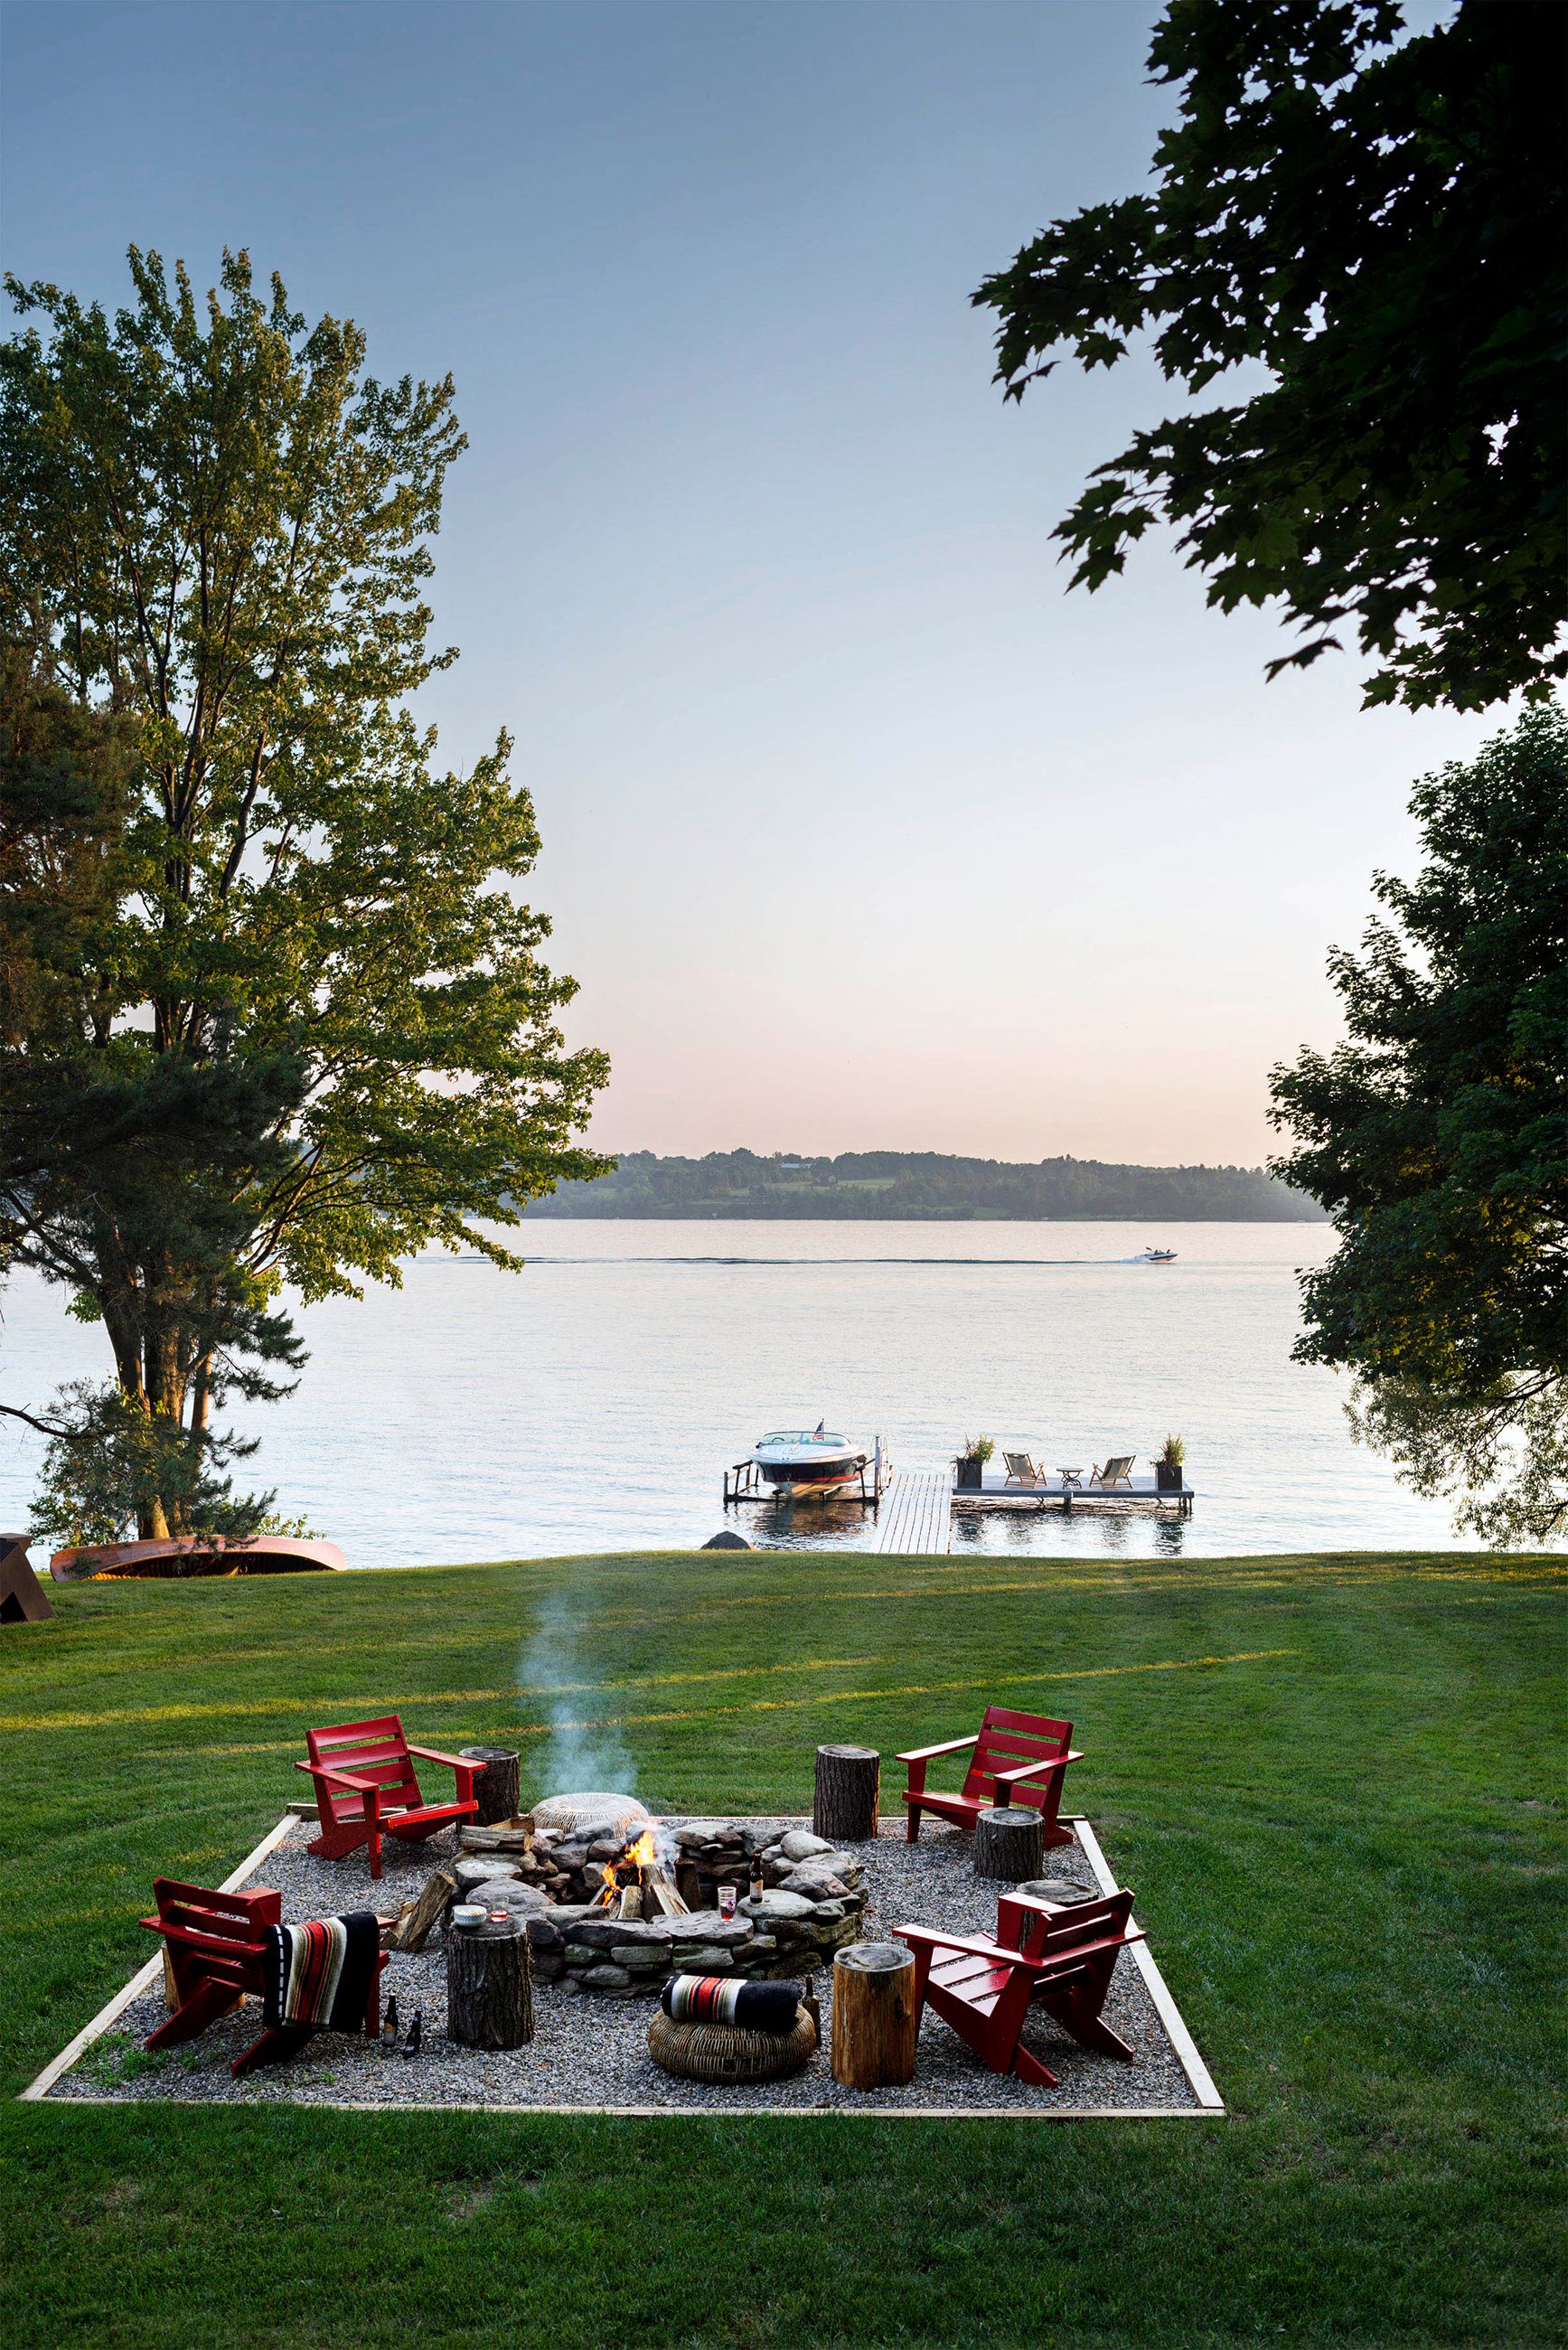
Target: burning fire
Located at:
point(642, 1851)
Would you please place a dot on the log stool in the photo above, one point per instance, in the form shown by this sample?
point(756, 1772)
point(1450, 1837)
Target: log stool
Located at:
point(874, 2016)
point(490, 1987)
point(497, 1784)
point(849, 1782)
point(1008, 1843)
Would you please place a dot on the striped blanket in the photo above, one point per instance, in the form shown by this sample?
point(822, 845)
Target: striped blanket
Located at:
point(318, 1975)
point(720, 1999)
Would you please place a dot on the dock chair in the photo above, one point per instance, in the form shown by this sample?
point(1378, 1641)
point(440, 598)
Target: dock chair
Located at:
point(1018, 1757)
point(363, 1774)
point(985, 1990)
point(1020, 1470)
point(1117, 1471)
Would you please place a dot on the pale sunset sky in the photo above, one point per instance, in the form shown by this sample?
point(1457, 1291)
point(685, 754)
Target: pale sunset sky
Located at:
point(859, 831)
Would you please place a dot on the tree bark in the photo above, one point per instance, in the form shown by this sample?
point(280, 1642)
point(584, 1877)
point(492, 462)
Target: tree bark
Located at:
point(874, 2016)
point(489, 1988)
point(848, 1784)
point(496, 1785)
point(1008, 1843)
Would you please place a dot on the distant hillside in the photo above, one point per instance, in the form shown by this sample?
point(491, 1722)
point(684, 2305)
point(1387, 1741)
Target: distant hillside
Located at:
point(925, 1185)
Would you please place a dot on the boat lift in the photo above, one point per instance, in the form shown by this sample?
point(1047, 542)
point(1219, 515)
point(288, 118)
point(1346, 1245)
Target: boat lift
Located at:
point(744, 1482)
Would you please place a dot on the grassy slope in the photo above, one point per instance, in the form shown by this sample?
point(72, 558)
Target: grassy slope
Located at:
point(1332, 1782)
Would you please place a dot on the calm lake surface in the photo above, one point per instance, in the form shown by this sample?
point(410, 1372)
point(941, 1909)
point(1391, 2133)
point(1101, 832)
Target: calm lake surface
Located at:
point(593, 1402)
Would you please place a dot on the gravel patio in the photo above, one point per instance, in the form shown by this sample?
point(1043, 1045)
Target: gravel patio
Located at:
point(589, 2053)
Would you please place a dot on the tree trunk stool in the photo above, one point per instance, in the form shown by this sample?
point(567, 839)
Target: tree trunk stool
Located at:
point(849, 1782)
point(875, 2015)
point(497, 1784)
point(1008, 1843)
point(490, 1987)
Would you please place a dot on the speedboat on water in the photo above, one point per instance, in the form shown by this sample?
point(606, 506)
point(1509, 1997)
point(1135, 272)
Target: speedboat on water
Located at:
point(808, 1461)
point(1157, 1256)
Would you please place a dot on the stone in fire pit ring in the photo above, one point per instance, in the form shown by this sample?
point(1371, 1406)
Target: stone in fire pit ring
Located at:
point(610, 1814)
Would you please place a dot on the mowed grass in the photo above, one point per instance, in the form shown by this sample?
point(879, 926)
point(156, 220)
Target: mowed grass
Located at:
point(1333, 1783)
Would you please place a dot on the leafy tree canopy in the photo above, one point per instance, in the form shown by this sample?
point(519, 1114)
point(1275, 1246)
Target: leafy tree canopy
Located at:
point(1374, 223)
point(1436, 1136)
point(298, 1023)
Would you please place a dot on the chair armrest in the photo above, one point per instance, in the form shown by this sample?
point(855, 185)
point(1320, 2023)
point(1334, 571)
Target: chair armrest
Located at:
point(1064, 1961)
point(453, 1762)
point(952, 1746)
point(1033, 1770)
point(342, 1778)
point(977, 1943)
point(214, 1946)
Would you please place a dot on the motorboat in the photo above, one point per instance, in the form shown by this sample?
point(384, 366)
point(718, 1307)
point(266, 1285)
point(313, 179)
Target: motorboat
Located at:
point(1157, 1256)
point(808, 1461)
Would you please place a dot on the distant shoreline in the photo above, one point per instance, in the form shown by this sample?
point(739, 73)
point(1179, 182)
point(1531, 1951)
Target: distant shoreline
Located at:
point(545, 1212)
point(925, 1187)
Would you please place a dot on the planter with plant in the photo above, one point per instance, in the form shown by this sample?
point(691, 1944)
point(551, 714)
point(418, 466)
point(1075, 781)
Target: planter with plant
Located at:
point(977, 1452)
point(1169, 1474)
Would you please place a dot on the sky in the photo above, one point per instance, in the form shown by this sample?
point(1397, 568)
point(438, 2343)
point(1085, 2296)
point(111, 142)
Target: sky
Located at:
point(859, 831)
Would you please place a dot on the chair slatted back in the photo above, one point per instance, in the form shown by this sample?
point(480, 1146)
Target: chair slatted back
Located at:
point(222, 1931)
point(1020, 1467)
point(1059, 1936)
point(1006, 1741)
point(370, 1750)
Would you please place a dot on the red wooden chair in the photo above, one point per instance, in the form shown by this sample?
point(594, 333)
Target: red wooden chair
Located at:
point(1018, 1757)
point(363, 1774)
point(985, 1990)
point(216, 1948)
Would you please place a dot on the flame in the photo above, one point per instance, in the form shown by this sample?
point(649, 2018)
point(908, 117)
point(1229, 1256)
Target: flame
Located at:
point(642, 1851)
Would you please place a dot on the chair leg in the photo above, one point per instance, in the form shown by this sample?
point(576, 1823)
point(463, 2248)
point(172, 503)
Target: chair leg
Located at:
point(276, 2046)
point(914, 1827)
point(1087, 2024)
point(204, 2006)
point(1029, 2068)
point(338, 1842)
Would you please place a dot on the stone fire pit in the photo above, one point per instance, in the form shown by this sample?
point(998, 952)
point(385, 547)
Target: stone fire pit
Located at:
point(812, 1900)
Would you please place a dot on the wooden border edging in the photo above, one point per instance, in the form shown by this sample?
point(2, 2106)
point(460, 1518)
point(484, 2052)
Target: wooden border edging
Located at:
point(1198, 2074)
point(143, 1980)
point(1200, 2079)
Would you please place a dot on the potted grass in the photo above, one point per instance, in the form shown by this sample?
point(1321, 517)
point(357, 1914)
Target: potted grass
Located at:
point(1169, 1471)
point(977, 1452)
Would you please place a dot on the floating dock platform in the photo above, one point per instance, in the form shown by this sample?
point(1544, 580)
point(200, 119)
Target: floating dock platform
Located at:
point(1073, 1493)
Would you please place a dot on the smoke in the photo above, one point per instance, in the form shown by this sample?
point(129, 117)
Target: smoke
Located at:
point(577, 1756)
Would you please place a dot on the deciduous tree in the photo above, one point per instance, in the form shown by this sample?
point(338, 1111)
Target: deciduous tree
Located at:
point(1436, 1136)
point(1357, 231)
point(308, 1008)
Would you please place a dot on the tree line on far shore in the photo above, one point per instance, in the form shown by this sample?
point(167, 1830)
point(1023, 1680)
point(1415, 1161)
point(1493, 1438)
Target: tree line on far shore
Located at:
point(927, 1186)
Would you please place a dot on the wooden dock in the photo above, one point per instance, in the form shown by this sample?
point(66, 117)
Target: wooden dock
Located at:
point(995, 1493)
point(916, 1514)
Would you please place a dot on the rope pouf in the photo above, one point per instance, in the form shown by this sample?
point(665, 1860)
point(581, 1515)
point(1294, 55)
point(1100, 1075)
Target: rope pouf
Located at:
point(726, 2052)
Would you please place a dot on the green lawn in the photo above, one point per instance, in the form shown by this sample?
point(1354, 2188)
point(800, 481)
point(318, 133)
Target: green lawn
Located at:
point(1335, 1783)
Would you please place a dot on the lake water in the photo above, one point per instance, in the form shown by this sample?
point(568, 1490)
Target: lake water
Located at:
point(593, 1402)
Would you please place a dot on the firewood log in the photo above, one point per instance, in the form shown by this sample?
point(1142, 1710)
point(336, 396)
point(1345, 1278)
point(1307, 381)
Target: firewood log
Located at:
point(413, 1929)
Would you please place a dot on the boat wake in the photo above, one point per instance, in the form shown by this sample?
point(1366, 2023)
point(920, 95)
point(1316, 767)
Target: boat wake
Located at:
point(534, 1258)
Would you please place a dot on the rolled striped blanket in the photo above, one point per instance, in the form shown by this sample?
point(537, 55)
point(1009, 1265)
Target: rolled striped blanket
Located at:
point(318, 1975)
point(720, 1999)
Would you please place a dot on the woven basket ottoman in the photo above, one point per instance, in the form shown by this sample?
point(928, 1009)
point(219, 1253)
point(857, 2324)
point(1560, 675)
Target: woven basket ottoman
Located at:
point(725, 2052)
